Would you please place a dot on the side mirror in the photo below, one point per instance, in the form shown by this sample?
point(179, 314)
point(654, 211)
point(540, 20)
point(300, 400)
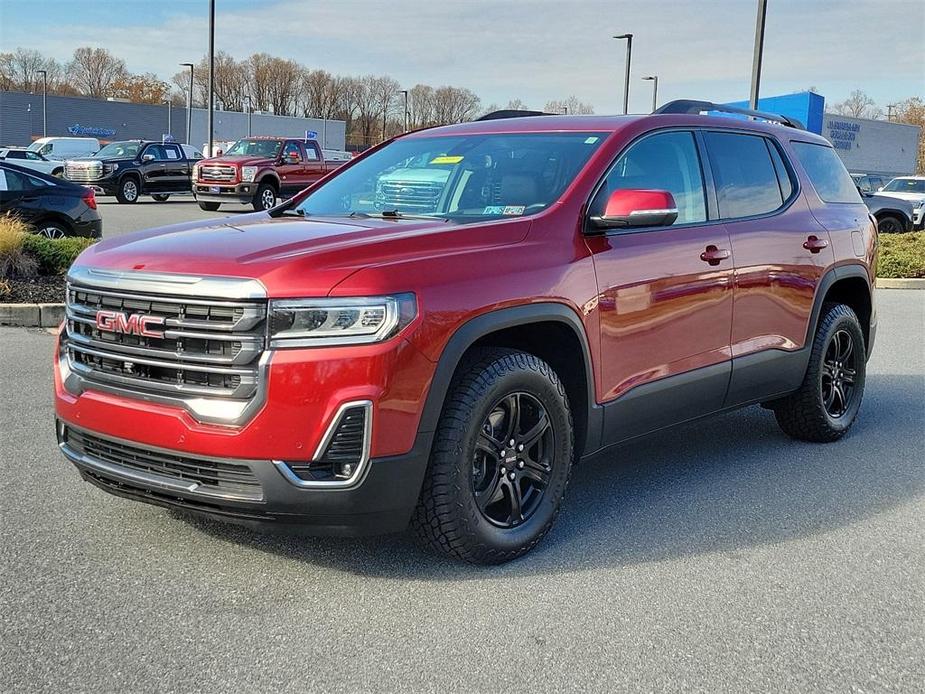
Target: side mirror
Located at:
point(631, 207)
point(147, 157)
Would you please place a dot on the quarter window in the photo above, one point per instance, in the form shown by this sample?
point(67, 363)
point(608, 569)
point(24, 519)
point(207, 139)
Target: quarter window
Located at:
point(827, 173)
point(747, 182)
point(665, 161)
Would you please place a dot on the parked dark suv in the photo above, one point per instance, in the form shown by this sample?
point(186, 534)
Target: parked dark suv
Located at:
point(354, 365)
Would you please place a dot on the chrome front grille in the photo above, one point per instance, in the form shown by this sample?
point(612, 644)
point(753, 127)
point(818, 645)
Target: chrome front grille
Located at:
point(199, 350)
point(416, 196)
point(83, 172)
point(218, 173)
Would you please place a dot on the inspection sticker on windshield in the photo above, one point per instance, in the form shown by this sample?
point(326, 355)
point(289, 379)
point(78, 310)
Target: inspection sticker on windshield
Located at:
point(591, 140)
point(513, 210)
point(445, 159)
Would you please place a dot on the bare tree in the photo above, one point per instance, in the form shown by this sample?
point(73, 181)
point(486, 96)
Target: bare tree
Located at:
point(285, 79)
point(517, 105)
point(319, 94)
point(454, 105)
point(421, 106)
point(93, 71)
point(571, 106)
point(385, 91)
point(142, 89)
point(858, 105)
point(19, 71)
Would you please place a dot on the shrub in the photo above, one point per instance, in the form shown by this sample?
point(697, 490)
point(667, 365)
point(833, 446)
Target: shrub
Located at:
point(902, 255)
point(55, 256)
point(15, 260)
point(5, 289)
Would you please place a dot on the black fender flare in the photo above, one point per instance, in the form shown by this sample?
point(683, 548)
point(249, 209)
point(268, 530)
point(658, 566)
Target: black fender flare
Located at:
point(832, 276)
point(493, 321)
point(132, 173)
point(270, 177)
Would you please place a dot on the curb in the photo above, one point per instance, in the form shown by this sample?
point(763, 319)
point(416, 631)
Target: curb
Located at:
point(32, 315)
point(904, 283)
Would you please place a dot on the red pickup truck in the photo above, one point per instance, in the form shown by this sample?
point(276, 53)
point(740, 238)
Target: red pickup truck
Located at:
point(258, 171)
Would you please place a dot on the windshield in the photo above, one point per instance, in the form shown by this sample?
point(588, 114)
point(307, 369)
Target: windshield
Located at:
point(905, 185)
point(255, 148)
point(119, 150)
point(463, 178)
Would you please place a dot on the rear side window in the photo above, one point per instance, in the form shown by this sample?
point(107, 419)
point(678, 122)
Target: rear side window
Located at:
point(747, 181)
point(827, 173)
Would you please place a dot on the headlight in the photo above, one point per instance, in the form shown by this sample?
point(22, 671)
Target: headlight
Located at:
point(196, 171)
point(338, 321)
point(109, 168)
point(248, 173)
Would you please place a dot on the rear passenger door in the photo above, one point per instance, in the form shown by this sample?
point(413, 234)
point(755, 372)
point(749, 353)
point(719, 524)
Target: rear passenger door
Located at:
point(176, 168)
point(314, 164)
point(770, 226)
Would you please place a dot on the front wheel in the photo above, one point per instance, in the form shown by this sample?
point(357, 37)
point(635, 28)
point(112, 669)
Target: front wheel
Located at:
point(827, 403)
point(160, 197)
point(501, 459)
point(127, 191)
point(209, 206)
point(265, 198)
point(889, 225)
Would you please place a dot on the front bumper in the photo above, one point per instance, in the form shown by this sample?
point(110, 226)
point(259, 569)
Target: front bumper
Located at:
point(382, 503)
point(304, 390)
point(918, 219)
point(225, 192)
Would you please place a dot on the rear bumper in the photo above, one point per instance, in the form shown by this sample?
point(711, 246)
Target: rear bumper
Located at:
point(381, 503)
point(89, 228)
point(222, 192)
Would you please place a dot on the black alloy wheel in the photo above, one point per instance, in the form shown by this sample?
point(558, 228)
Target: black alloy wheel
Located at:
point(889, 225)
point(839, 370)
point(513, 460)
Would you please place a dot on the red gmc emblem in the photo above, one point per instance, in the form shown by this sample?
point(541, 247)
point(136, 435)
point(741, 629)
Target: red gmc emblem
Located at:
point(129, 323)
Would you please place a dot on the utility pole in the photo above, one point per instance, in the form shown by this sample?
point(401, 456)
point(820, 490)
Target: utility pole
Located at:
point(626, 80)
point(889, 111)
point(44, 102)
point(211, 105)
point(405, 94)
point(189, 104)
point(654, 80)
point(169, 126)
point(759, 52)
point(250, 111)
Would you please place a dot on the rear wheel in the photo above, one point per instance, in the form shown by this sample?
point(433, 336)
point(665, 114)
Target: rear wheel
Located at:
point(501, 460)
point(209, 206)
point(827, 403)
point(888, 224)
point(128, 190)
point(52, 230)
point(160, 197)
point(265, 197)
point(58, 173)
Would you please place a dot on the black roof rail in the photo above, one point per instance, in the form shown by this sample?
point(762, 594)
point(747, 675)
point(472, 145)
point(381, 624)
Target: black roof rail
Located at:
point(693, 106)
point(511, 113)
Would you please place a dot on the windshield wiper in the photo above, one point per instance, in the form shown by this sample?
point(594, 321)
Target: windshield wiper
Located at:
point(395, 214)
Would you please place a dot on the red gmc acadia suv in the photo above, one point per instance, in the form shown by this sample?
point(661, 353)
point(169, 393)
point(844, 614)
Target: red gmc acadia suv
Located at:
point(439, 330)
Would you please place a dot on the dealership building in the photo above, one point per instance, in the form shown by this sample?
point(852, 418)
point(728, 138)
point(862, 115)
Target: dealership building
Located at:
point(21, 122)
point(866, 146)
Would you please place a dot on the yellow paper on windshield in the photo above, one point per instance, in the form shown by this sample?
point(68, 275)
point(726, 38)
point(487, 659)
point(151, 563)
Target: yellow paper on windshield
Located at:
point(446, 160)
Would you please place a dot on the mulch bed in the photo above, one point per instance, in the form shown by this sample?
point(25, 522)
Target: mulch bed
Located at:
point(35, 290)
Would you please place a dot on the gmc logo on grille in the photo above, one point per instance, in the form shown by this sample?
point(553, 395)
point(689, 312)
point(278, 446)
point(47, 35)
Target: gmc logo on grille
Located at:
point(129, 323)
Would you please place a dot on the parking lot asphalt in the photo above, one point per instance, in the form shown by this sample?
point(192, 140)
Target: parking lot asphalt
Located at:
point(147, 213)
point(719, 556)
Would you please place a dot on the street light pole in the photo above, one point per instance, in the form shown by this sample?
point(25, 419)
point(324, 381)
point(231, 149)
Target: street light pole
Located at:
point(626, 80)
point(405, 94)
point(189, 104)
point(654, 80)
point(44, 95)
point(169, 126)
point(211, 105)
point(250, 110)
point(759, 53)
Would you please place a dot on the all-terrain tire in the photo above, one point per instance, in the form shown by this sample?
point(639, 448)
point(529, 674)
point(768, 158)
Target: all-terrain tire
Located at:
point(803, 415)
point(448, 518)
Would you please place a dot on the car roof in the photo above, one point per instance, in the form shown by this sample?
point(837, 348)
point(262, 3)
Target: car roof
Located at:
point(612, 124)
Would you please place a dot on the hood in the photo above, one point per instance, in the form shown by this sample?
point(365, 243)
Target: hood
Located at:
point(911, 197)
point(878, 201)
point(239, 160)
point(292, 256)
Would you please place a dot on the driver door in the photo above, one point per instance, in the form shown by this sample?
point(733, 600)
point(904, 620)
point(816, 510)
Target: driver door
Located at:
point(290, 169)
point(665, 311)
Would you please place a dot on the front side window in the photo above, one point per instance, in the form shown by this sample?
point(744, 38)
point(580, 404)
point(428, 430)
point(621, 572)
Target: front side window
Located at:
point(291, 152)
point(747, 182)
point(665, 161)
point(464, 178)
point(826, 172)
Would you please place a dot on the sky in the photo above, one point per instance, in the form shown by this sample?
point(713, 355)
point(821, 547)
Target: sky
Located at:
point(534, 50)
